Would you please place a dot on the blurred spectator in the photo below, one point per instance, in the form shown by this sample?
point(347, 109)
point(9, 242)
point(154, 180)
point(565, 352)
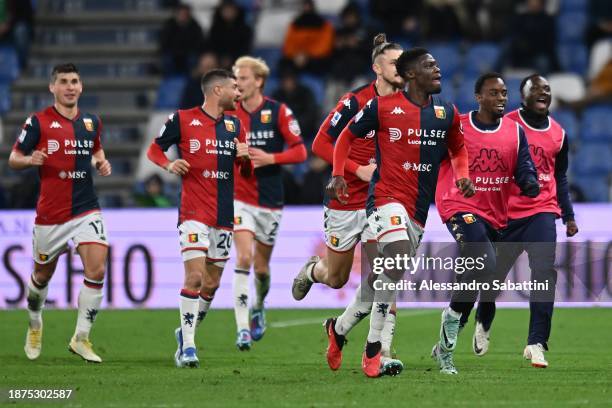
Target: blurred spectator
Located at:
point(399, 18)
point(24, 193)
point(290, 186)
point(3, 202)
point(533, 46)
point(600, 21)
point(576, 194)
point(181, 42)
point(352, 46)
point(153, 194)
point(599, 91)
point(192, 93)
point(309, 41)
point(442, 20)
point(488, 20)
point(315, 180)
point(230, 36)
point(301, 101)
point(17, 26)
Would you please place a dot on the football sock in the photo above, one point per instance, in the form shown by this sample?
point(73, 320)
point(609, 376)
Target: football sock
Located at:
point(262, 287)
point(380, 309)
point(386, 337)
point(355, 312)
point(204, 302)
point(241, 298)
point(90, 298)
point(188, 307)
point(36, 295)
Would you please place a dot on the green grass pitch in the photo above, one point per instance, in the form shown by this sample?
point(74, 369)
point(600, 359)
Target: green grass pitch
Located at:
point(287, 368)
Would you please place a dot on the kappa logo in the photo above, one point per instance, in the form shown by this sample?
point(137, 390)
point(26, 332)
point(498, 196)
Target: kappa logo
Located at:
point(395, 134)
point(194, 145)
point(488, 160)
point(347, 102)
point(55, 125)
point(195, 122)
point(537, 153)
point(288, 111)
point(397, 111)
point(52, 146)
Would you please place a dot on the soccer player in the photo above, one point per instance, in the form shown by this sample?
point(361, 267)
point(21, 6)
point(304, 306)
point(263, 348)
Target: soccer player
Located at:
point(414, 131)
point(499, 158)
point(531, 226)
point(269, 125)
point(64, 144)
point(347, 224)
point(210, 144)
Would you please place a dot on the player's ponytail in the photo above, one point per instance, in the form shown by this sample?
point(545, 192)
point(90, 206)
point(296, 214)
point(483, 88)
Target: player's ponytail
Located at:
point(381, 45)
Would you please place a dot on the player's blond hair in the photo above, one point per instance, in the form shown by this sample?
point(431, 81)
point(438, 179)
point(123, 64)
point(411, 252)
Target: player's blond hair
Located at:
point(257, 65)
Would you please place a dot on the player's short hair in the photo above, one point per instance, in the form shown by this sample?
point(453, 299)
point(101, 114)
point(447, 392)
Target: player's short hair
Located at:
point(527, 79)
point(381, 45)
point(482, 78)
point(65, 68)
point(257, 65)
point(213, 76)
point(408, 58)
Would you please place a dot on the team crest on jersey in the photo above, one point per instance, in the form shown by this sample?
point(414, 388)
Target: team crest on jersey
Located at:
point(396, 220)
point(88, 124)
point(335, 241)
point(43, 257)
point(229, 125)
point(266, 116)
point(440, 112)
point(237, 220)
point(469, 218)
point(193, 238)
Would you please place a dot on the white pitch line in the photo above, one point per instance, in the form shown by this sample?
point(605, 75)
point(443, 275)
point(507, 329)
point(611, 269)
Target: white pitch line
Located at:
point(319, 320)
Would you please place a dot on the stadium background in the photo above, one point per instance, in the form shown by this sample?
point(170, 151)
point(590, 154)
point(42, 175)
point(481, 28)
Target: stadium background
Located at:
point(137, 68)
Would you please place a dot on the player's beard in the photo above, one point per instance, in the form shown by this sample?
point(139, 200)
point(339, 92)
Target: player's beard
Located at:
point(397, 83)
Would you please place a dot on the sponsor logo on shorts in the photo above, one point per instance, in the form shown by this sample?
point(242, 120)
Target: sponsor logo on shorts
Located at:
point(229, 125)
point(396, 220)
point(469, 218)
point(88, 124)
point(193, 238)
point(43, 257)
point(335, 241)
point(237, 220)
point(266, 116)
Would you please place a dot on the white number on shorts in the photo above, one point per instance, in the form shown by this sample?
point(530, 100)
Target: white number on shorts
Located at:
point(98, 226)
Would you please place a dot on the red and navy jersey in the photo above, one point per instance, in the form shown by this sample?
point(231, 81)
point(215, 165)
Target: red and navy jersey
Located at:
point(362, 150)
point(545, 145)
point(207, 144)
point(411, 141)
point(66, 185)
point(493, 153)
point(269, 128)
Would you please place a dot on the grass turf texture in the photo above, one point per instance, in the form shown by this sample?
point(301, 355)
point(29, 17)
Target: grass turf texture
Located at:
point(288, 368)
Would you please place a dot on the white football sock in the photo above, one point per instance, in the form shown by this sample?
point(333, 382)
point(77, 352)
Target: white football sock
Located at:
point(355, 312)
point(386, 337)
point(90, 299)
point(241, 299)
point(36, 296)
point(188, 306)
point(203, 306)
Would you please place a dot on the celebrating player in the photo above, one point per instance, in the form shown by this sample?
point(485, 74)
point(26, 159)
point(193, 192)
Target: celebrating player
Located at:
point(531, 226)
point(209, 144)
point(347, 224)
point(269, 125)
point(499, 158)
point(64, 144)
point(414, 131)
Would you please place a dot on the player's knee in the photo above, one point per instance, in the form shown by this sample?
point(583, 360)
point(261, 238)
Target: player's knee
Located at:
point(210, 288)
point(96, 272)
point(244, 260)
point(42, 274)
point(261, 269)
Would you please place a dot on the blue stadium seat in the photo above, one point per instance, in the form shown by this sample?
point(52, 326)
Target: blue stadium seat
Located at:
point(481, 58)
point(271, 85)
point(569, 121)
point(595, 188)
point(597, 124)
point(5, 97)
point(269, 54)
point(170, 92)
point(573, 57)
point(593, 159)
point(448, 58)
point(514, 94)
point(573, 5)
point(316, 85)
point(9, 64)
point(464, 97)
point(571, 27)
